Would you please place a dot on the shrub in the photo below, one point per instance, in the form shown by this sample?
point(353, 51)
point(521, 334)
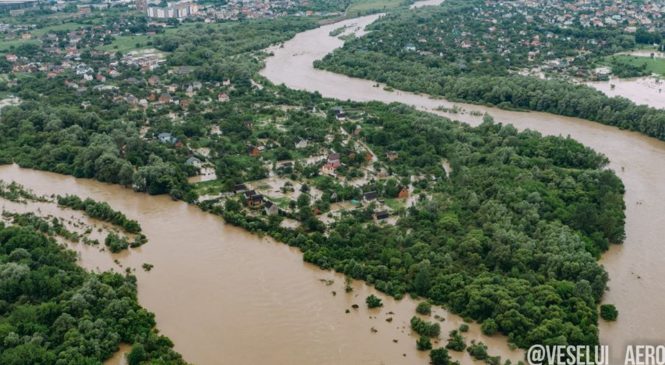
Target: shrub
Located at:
point(609, 312)
point(424, 308)
point(373, 302)
point(423, 343)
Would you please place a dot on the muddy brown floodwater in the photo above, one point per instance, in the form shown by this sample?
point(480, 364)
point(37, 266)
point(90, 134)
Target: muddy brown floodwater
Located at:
point(225, 296)
point(636, 268)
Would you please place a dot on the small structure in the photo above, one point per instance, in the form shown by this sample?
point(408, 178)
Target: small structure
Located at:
point(239, 188)
point(392, 155)
point(254, 199)
point(382, 215)
point(301, 144)
point(193, 161)
point(334, 158)
point(167, 138)
point(339, 113)
point(253, 151)
point(270, 208)
point(165, 98)
point(223, 97)
point(153, 80)
point(370, 197)
point(403, 193)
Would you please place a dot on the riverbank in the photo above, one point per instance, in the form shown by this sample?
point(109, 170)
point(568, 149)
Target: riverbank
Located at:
point(634, 268)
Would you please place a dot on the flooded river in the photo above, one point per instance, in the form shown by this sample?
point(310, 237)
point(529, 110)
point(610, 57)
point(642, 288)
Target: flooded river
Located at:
point(642, 90)
point(636, 268)
point(225, 296)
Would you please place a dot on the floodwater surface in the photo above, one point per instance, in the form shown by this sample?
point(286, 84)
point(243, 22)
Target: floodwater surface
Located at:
point(226, 296)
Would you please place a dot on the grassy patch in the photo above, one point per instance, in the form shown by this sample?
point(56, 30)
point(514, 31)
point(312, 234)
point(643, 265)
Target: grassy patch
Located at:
point(654, 65)
point(211, 187)
point(128, 43)
point(359, 7)
point(57, 28)
point(6, 46)
point(395, 204)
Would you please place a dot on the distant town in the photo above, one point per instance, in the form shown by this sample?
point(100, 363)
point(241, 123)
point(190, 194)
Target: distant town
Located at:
point(231, 10)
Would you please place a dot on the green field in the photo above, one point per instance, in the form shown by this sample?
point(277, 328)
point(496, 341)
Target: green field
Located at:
point(128, 43)
point(654, 65)
point(5, 46)
point(359, 7)
point(57, 28)
point(125, 44)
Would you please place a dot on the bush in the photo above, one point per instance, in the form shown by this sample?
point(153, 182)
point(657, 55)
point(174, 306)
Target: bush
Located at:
point(478, 350)
point(439, 357)
point(456, 341)
point(489, 327)
point(373, 302)
point(424, 308)
point(423, 343)
point(116, 243)
point(609, 312)
point(425, 328)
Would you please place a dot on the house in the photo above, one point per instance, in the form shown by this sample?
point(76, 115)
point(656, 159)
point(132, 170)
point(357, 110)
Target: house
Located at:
point(253, 151)
point(253, 199)
point(339, 113)
point(193, 161)
point(165, 98)
point(270, 208)
point(223, 97)
point(329, 169)
point(301, 144)
point(370, 197)
point(239, 188)
point(153, 80)
point(11, 57)
point(392, 155)
point(403, 193)
point(184, 103)
point(167, 138)
point(100, 78)
point(132, 100)
point(379, 216)
point(334, 158)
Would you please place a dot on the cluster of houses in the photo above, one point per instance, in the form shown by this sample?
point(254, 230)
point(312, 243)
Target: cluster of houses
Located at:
point(596, 13)
point(146, 59)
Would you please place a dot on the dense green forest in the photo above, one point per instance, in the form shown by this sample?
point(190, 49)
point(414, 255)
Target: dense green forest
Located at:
point(425, 51)
point(54, 312)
